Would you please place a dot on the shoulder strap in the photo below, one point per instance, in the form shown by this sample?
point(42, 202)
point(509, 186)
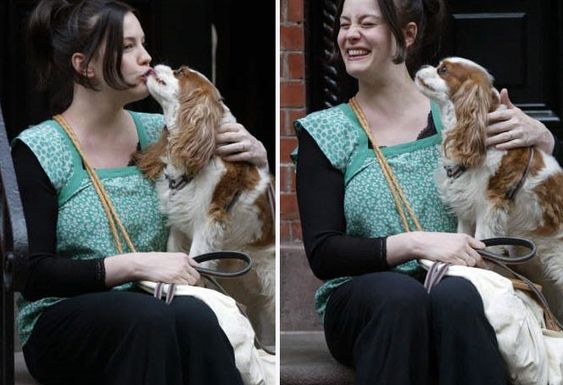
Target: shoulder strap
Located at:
point(109, 209)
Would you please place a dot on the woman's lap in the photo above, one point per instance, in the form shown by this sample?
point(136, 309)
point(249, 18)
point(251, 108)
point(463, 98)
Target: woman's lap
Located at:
point(381, 317)
point(105, 334)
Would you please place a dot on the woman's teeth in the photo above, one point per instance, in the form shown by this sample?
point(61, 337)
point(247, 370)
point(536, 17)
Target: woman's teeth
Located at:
point(357, 52)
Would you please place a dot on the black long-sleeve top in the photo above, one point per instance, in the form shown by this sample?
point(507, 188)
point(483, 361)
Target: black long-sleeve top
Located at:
point(49, 275)
point(320, 191)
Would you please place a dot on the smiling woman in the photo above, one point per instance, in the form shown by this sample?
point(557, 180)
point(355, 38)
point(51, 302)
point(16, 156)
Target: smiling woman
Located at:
point(366, 219)
point(81, 318)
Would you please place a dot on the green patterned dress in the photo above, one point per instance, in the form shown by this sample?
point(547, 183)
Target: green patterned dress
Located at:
point(82, 228)
point(369, 208)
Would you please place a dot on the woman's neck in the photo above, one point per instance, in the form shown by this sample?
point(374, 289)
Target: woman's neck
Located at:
point(105, 131)
point(93, 111)
point(389, 93)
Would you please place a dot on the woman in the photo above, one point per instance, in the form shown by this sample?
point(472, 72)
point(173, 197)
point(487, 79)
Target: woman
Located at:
point(377, 315)
point(73, 328)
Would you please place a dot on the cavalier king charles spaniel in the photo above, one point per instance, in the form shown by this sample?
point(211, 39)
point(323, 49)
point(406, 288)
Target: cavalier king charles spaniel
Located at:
point(494, 192)
point(211, 204)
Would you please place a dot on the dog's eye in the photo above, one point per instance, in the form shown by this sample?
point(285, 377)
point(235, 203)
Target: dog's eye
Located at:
point(442, 70)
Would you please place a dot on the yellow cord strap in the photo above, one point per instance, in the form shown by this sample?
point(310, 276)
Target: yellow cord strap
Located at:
point(109, 209)
point(396, 191)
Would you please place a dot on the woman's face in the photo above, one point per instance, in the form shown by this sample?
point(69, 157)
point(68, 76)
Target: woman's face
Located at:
point(366, 44)
point(135, 61)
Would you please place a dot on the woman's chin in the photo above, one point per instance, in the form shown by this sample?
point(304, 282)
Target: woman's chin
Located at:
point(137, 93)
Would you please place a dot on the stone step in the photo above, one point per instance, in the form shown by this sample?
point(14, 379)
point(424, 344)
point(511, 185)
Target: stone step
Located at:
point(21, 375)
point(297, 290)
point(305, 360)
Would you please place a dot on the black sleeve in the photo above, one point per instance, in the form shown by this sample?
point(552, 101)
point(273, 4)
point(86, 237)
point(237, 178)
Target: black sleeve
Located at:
point(320, 193)
point(49, 274)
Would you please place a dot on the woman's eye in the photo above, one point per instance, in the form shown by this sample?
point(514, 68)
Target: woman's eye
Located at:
point(368, 25)
point(344, 25)
point(128, 46)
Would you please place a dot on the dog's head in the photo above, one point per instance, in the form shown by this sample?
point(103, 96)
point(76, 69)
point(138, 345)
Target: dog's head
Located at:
point(469, 88)
point(193, 110)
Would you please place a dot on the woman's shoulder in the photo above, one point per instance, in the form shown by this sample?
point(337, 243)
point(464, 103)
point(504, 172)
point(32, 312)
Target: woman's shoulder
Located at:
point(335, 131)
point(44, 139)
point(151, 123)
point(333, 118)
point(47, 129)
point(51, 148)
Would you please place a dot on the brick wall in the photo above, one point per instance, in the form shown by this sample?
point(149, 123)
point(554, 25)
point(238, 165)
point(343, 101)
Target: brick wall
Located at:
point(292, 106)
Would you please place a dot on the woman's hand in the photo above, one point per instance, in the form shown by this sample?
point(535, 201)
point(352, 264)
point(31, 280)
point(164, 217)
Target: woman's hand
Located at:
point(153, 266)
point(235, 144)
point(454, 248)
point(511, 128)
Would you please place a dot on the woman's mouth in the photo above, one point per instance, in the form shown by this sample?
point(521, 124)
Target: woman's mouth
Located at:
point(357, 53)
point(147, 74)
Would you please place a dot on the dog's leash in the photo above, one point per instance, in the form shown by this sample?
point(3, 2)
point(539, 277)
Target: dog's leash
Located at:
point(437, 271)
point(210, 275)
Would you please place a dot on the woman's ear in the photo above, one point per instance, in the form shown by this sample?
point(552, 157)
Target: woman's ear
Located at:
point(77, 61)
point(410, 32)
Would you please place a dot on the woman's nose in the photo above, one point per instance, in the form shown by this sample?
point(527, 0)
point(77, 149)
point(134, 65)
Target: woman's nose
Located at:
point(145, 56)
point(353, 32)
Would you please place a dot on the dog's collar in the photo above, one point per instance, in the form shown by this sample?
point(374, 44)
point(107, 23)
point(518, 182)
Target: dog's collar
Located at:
point(455, 171)
point(178, 183)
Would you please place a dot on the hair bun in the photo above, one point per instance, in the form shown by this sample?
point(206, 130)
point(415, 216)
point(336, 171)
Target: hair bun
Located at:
point(435, 12)
point(43, 24)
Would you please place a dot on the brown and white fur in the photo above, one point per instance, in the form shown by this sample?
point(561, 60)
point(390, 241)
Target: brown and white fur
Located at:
point(226, 205)
point(465, 94)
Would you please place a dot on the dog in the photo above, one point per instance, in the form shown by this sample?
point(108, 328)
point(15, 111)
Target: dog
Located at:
point(493, 192)
point(211, 204)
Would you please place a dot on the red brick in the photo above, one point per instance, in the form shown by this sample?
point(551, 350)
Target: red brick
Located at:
point(296, 234)
point(294, 10)
point(287, 181)
point(288, 206)
point(285, 231)
point(283, 121)
point(287, 145)
point(283, 11)
point(292, 114)
point(295, 66)
point(286, 125)
point(291, 37)
point(284, 73)
point(292, 94)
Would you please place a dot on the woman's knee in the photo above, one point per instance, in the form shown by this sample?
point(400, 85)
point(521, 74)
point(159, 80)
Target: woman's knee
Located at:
point(126, 310)
point(390, 293)
point(194, 315)
point(456, 298)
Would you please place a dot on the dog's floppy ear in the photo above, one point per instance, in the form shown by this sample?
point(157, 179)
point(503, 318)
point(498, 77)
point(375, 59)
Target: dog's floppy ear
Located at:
point(149, 161)
point(193, 143)
point(466, 142)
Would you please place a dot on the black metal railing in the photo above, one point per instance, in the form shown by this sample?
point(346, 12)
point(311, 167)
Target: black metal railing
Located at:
point(13, 253)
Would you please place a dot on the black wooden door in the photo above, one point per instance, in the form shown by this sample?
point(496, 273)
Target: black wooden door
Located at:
point(178, 32)
point(519, 41)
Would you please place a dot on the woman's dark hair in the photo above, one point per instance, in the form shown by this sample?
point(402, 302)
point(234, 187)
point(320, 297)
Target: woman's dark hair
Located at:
point(428, 15)
point(59, 28)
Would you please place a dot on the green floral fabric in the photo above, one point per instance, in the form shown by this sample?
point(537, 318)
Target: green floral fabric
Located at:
point(82, 228)
point(369, 208)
